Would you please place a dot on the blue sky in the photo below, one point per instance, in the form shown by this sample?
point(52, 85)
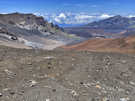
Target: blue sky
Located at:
point(62, 10)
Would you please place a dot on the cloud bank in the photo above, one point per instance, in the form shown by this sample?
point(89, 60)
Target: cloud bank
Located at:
point(73, 18)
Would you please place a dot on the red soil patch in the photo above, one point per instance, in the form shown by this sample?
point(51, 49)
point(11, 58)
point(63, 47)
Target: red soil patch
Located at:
point(122, 45)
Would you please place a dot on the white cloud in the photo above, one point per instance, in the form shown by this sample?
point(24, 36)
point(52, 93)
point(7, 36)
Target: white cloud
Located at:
point(73, 18)
point(76, 18)
point(131, 16)
point(62, 15)
point(57, 20)
point(4, 13)
point(104, 16)
point(80, 17)
point(39, 14)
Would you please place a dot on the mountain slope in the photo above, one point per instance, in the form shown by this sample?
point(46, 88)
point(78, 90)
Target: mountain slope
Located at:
point(32, 31)
point(121, 45)
point(113, 27)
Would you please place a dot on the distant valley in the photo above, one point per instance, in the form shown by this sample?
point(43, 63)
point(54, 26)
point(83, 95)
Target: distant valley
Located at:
point(113, 27)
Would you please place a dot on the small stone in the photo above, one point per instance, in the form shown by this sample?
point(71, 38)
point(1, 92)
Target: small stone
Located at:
point(22, 91)
point(1, 94)
point(74, 93)
point(105, 99)
point(89, 76)
point(87, 85)
point(49, 57)
point(29, 63)
point(12, 92)
point(98, 86)
point(32, 83)
point(47, 100)
point(73, 59)
point(132, 83)
point(9, 73)
point(49, 67)
point(124, 99)
point(54, 90)
point(124, 61)
point(6, 89)
point(81, 83)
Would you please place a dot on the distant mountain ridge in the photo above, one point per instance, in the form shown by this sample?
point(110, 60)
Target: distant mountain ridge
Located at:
point(33, 31)
point(116, 22)
point(112, 27)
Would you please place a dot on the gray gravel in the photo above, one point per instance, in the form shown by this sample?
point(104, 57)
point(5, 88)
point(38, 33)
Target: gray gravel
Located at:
point(36, 75)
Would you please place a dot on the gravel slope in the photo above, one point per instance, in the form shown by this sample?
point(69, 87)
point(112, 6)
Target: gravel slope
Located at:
point(58, 75)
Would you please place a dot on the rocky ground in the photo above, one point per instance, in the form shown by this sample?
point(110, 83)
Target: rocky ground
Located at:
point(36, 75)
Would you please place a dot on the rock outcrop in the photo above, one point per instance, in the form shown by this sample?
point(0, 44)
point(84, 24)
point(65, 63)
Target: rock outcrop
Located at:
point(33, 31)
